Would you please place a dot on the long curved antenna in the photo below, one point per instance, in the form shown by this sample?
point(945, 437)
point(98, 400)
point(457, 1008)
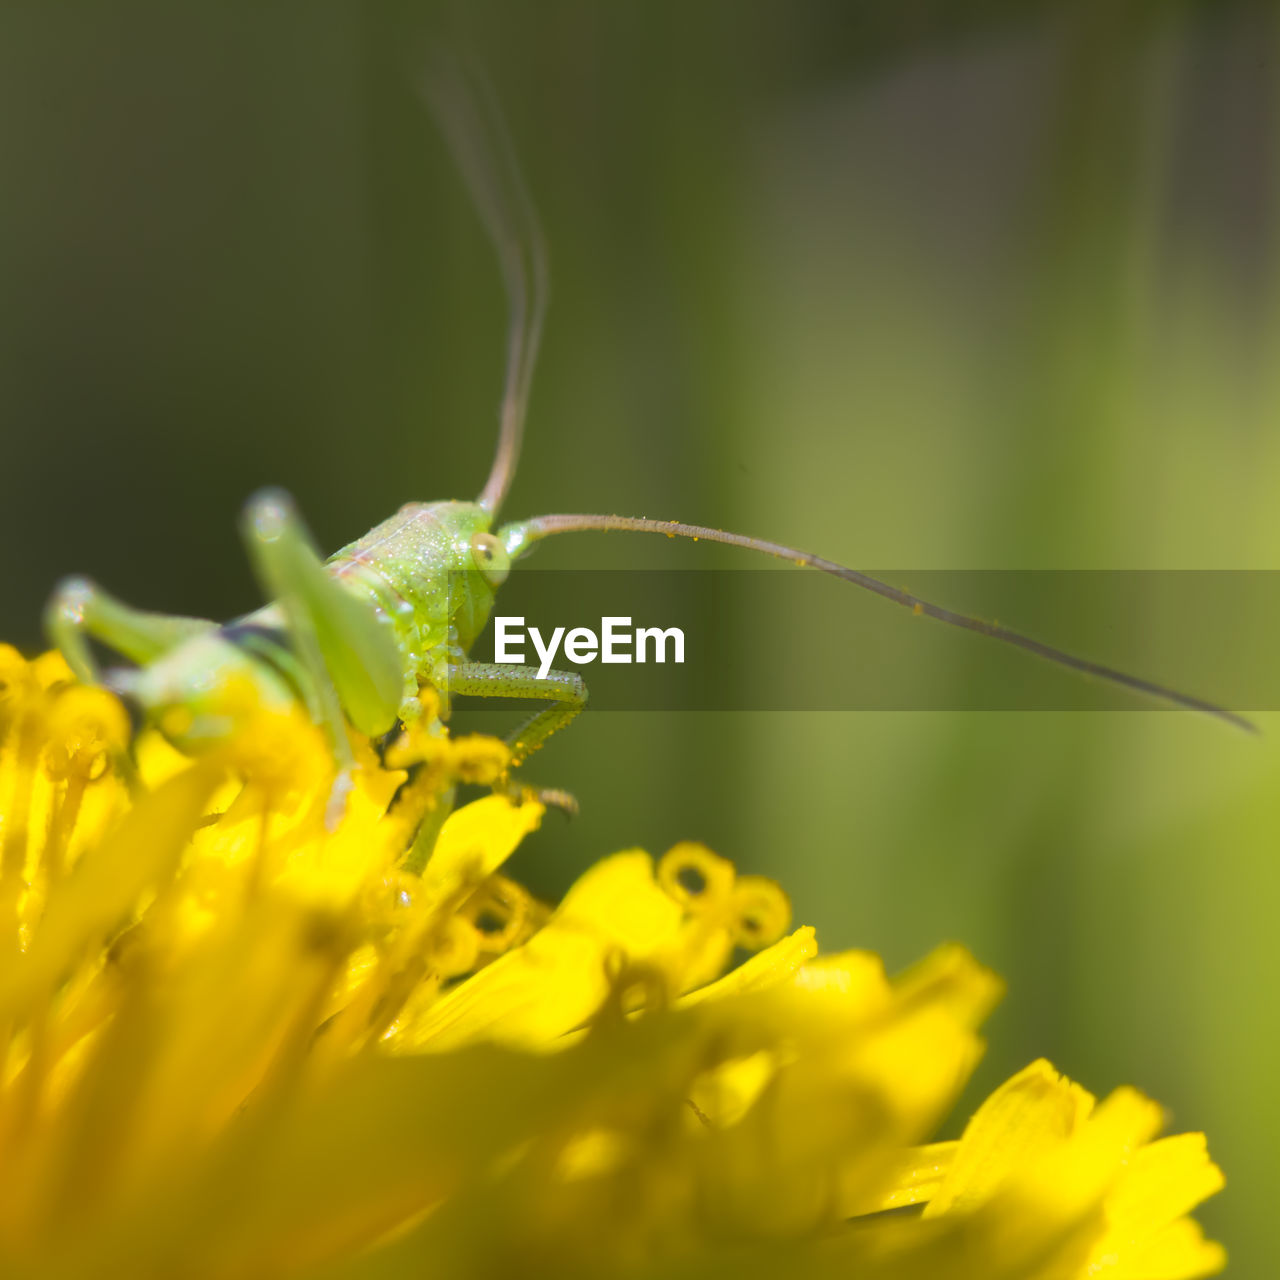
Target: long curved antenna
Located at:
point(520, 536)
point(467, 114)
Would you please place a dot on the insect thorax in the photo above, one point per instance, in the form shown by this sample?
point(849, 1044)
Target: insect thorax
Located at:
point(418, 569)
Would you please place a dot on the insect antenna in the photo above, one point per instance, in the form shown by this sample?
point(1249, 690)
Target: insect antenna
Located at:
point(529, 531)
point(466, 112)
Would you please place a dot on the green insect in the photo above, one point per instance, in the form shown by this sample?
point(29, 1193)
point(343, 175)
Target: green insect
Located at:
point(356, 637)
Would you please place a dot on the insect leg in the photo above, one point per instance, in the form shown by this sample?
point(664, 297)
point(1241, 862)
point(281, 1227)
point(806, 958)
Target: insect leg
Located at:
point(563, 689)
point(80, 609)
point(346, 647)
point(428, 832)
point(333, 633)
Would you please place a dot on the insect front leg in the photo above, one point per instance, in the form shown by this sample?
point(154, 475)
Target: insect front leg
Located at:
point(565, 690)
point(80, 610)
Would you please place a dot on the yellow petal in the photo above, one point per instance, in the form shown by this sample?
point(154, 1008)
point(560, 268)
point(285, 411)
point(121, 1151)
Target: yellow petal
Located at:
point(857, 976)
point(1163, 1181)
point(560, 977)
point(913, 1177)
point(950, 976)
point(1027, 1116)
point(105, 885)
point(1178, 1252)
point(475, 841)
point(770, 967)
point(1047, 1217)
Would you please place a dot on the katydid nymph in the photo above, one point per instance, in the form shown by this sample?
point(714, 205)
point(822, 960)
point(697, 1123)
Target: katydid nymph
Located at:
point(356, 637)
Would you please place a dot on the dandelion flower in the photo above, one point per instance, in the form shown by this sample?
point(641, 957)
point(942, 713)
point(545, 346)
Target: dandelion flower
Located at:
point(237, 1043)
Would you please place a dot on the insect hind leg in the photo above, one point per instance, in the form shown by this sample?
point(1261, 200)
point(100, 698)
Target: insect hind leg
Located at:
point(80, 610)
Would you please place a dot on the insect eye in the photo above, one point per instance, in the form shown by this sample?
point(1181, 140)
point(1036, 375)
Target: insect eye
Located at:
point(491, 558)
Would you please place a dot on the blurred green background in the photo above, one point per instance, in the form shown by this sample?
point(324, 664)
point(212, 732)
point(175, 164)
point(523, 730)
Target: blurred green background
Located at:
point(935, 284)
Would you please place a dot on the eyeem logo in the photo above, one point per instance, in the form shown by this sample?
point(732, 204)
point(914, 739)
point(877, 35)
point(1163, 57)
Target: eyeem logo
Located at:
point(582, 645)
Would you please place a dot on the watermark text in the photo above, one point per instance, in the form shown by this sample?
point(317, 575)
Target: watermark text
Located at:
point(616, 642)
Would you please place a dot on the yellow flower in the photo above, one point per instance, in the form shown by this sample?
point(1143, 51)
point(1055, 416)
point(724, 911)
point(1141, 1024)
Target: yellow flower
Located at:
point(237, 1042)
